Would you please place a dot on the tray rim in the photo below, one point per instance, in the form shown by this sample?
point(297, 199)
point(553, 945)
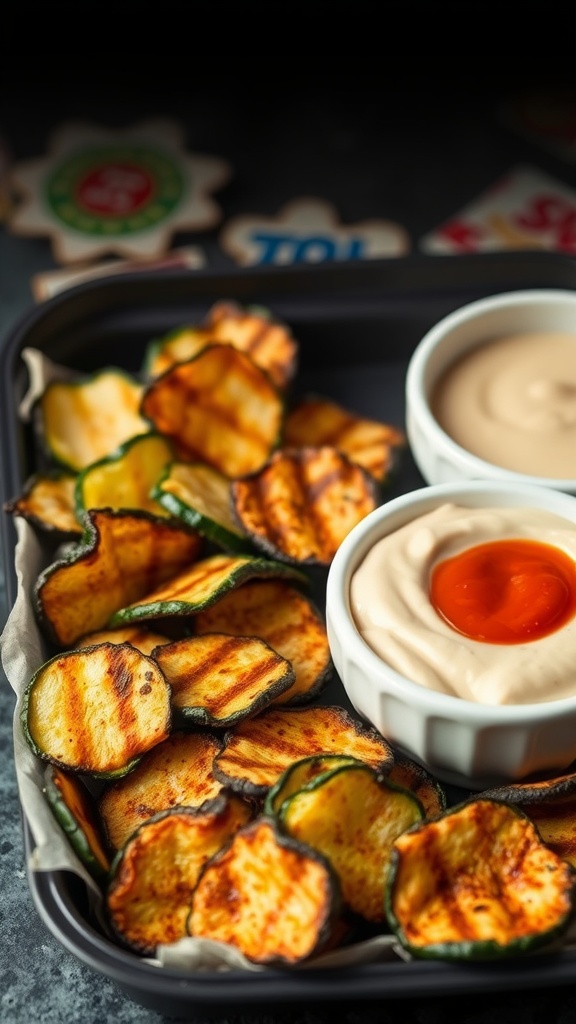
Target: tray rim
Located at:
point(154, 986)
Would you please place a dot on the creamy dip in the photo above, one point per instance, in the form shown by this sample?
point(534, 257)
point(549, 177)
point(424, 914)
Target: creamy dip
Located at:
point(392, 609)
point(512, 402)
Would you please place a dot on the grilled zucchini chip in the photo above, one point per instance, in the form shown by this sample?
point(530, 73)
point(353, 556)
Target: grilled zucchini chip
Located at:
point(175, 773)
point(47, 501)
point(550, 803)
point(477, 883)
point(75, 811)
point(124, 479)
point(279, 613)
point(257, 752)
point(274, 899)
point(176, 346)
point(318, 421)
point(299, 774)
point(98, 710)
point(156, 872)
point(200, 496)
point(120, 558)
point(353, 815)
point(302, 504)
point(253, 329)
point(219, 408)
point(219, 680)
point(84, 420)
point(407, 773)
point(146, 640)
point(207, 581)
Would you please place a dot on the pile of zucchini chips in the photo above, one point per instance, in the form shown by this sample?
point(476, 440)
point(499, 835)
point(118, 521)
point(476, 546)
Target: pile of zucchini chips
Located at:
point(188, 759)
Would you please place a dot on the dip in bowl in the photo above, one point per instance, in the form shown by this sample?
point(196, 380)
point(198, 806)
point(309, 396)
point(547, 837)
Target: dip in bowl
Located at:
point(451, 617)
point(491, 392)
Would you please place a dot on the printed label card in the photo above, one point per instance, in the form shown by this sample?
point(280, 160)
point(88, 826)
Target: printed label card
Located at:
point(526, 209)
point(100, 192)
point(307, 230)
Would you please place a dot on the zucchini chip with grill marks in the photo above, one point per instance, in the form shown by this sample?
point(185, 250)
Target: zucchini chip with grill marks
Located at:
point(146, 640)
point(279, 613)
point(47, 501)
point(302, 504)
point(124, 479)
point(219, 680)
point(353, 815)
point(207, 581)
point(274, 899)
point(76, 812)
point(121, 557)
point(253, 329)
point(219, 408)
point(176, 772)
point(477, 883)
point(96, 711)
point(318, 421)
point(550, 803)
point(154, 875)
point(200, 496)
point(87, 419)
point(258, 751)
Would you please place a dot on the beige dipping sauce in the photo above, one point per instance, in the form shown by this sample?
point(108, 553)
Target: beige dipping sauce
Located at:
point(512, 402)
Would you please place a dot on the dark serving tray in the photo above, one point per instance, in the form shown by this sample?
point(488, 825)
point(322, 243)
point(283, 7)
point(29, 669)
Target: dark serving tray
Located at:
point(357, 325)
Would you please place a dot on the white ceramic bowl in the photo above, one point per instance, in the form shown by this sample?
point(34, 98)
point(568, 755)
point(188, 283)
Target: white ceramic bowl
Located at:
point(439, 458)
point(462, 742)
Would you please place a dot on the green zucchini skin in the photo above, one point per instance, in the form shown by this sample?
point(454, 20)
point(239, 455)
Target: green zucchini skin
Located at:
point(211, 526)
point(478, 950)
point(93, 853)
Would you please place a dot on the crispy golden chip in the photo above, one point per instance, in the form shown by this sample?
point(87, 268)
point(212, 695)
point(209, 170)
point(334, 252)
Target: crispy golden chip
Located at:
point(146, 640)
point(219, 680)
point(86, 419)
point(302, 504)
point(75, 811)
point(477, 883)
point(155, 874)
point(258, 751)
point(352, 815)
point(317, 421)
point(176, 346)
point(274, 899)
point(207, 581)
point(47, 501)
point(219, 408)
point(279, 613)
point(407, 773)
point(200, 496)
point(534, 790)
point(253, 329)
point(555, 819)
point(124, 479)
point(97, 710)
point(299, 774)
point(122, 556)
point(175, 773)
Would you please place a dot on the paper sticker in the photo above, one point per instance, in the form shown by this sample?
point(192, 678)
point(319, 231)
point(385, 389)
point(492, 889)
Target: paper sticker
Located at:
point(526, 209)
point(49, 283)
point(308, 231)
point(101, 192)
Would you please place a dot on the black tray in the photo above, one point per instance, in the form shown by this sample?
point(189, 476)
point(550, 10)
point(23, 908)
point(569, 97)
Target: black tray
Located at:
point(357, 325)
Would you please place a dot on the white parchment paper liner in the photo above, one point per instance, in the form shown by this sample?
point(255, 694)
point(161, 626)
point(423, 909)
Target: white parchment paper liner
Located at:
point(23, 650)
